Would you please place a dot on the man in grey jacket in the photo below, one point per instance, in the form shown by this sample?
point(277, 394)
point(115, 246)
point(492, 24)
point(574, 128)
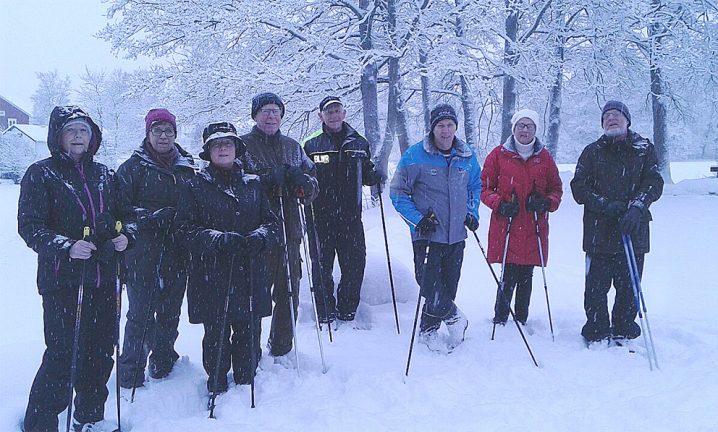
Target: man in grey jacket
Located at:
point(288, 177)
point(436, 189)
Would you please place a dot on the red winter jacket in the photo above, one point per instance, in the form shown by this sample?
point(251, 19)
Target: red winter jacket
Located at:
point(504, 172)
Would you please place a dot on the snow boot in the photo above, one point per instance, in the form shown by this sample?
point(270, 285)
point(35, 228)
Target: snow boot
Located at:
point(98, 426)
point(432, 341)
point(456, 324)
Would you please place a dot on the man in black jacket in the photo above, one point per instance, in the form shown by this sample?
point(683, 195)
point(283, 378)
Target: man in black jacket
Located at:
point(287, 176)
point(149, 185)
point(61, 198)
point(616, 180)
point(343, 161)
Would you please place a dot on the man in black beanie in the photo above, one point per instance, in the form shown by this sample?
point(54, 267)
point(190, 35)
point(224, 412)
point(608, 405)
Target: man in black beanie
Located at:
point(288, 177)
point(616, 180)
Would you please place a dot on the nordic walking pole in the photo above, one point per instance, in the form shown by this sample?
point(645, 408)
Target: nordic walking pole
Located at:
point(118, 315)
point(222, 333)
point(388, 258)
point(543, 273)
point(313, 292)
point(506, 301)
point(418, 300)
point(76, 334)
point(636, 285)
point(252, 330)
point(290, 290)
point(503, 262)
point(637, 278)
point(148, 316)
point(321, 270)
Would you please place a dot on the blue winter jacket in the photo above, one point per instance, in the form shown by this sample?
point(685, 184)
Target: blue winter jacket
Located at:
point(449, 185)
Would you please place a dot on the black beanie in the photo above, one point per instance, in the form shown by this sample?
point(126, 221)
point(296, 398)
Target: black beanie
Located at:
point(443, 112)
point(620, 106)
point(221, 130)
point(263, 99)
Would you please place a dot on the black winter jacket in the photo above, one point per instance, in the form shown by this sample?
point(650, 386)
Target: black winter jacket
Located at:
point(144, 186)
point(341, 169)
point(265, 153)
point(616, 171)
point(213, 204)
point(58, 198)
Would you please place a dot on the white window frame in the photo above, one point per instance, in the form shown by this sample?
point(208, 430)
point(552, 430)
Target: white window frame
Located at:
point(11, 122)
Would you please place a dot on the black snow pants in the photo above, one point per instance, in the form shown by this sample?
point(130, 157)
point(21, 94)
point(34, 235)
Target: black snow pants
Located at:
point(162, 295)
point(517, 277)
point(438, 281)
point(345, 241)
point(236, 352)
point(50, 389)
point(601, 270)
point(281, 335)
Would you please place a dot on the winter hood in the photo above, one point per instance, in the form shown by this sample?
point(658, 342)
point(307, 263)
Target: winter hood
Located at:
point(59, 117)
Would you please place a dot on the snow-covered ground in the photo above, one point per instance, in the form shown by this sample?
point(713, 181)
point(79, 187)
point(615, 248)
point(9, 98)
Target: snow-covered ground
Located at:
point(482, 386)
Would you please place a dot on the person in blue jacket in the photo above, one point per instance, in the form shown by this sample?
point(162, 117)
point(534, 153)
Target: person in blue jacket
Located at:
point(436, 188)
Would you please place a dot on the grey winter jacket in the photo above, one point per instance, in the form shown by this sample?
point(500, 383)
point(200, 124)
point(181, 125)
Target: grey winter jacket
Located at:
point(264, 153)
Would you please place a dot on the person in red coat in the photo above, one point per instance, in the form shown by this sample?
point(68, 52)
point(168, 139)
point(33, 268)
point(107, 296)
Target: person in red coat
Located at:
point(519, 183)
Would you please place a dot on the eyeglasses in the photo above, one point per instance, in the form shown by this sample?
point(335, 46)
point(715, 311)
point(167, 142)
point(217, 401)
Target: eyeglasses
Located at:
point(272, 111)
point(527, 126)
point(221, 144)
point(612, 114)
point(158, 131)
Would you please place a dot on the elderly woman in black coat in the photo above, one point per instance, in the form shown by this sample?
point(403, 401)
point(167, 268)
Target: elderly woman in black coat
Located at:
point(225, 222)
point(66, 213)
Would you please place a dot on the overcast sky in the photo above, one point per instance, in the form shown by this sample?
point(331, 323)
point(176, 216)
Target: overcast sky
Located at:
point(43, 35)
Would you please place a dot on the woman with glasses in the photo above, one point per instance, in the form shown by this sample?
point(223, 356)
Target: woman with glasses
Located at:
point(225, 220)
point(149, 187)
point(520, 184)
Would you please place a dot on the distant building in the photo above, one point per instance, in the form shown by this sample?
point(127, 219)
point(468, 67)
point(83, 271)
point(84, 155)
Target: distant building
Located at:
point(20, 146)
point(11, 114)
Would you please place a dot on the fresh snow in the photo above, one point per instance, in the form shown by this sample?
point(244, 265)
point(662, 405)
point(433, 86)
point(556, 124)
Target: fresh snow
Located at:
point(483, 385)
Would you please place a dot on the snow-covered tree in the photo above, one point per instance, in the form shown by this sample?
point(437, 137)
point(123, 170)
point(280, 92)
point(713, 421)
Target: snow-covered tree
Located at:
point(53, 90)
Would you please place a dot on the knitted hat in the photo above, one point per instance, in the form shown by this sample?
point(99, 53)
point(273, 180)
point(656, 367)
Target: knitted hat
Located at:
point(525, 113)
point(263, 99)
point(620, 106)
point(79, 120)
point(329, 100)
point(443, 112)
point(221, 130)
point(159, 115)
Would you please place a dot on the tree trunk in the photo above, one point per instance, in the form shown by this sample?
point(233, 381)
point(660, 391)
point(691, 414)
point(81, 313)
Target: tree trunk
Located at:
point(370, 104)
point(510, 60)
point(425, 89)
point(554, 104)
point(467, 100)
point(660, 116)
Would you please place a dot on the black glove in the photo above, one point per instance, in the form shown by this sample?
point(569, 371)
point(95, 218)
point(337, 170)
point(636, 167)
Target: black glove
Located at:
point(427, 225)
point(373, 177)
point(295, 177)
point(255, 244)
point(631, 221)
point(616, 208)
point(471, 222)
point(537, 203)
point(105, 251)
point(231, 242)
point(509, 209)
point(105, 227)
point(275, 177)
point(162, 219)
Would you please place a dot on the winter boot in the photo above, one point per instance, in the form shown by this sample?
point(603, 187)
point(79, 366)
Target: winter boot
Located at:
point(432, 341)
point(456, 324)
point(98, 426)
